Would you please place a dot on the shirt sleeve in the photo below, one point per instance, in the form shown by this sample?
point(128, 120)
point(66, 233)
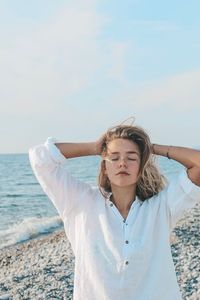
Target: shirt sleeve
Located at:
point(180, 195)
point(65, 191)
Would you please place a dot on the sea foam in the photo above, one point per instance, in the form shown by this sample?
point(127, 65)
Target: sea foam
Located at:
point(29, 228)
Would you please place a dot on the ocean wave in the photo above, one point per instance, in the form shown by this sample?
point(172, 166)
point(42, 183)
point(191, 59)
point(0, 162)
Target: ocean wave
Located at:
point(27, 183)
point(29, 228)
point(23, 195)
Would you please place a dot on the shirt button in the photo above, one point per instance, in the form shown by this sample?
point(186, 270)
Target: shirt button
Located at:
point(127, 262)
point(111, 204)
point(127, 242)
point(124, 220)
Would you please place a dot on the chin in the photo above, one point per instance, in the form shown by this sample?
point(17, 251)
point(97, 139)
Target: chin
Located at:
point(123, 184)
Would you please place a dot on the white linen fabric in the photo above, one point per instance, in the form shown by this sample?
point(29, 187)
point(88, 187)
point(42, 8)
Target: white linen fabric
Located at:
point(115, 259)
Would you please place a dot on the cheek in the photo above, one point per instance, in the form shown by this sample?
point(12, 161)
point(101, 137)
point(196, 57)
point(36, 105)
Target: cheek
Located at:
point(138, 167)
point(138, 172)
point(135, 169)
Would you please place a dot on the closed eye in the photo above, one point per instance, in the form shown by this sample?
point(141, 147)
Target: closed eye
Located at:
point(117, 158)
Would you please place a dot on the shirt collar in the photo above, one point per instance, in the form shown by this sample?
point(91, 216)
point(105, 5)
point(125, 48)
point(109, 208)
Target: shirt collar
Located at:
point(137, 199)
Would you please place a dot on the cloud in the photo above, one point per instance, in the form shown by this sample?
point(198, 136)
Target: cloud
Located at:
point(52, 70)
point(179, 92)
point(168, 107)
point(50, 61)
point(118, 68)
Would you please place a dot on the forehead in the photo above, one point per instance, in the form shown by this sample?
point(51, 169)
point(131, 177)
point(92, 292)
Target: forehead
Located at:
point(122, 145)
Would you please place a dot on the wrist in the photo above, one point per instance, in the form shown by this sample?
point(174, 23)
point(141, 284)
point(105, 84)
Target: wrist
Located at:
point(153, 149)
point(167, 154)
point(161, 150)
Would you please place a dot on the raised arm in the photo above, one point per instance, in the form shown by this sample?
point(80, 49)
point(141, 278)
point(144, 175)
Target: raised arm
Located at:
point(189, 158)
point(70, 150)
point(61, 187)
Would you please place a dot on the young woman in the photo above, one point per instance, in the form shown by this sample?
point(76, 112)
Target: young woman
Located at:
point(120, 231)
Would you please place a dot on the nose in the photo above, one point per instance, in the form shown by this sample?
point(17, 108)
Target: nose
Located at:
point(122, 162)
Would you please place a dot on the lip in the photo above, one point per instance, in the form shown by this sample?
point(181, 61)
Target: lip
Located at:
point(122, 173)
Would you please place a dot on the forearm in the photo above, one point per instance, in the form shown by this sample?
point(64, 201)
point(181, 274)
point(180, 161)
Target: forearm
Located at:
point(70, 150)
point(188, 157)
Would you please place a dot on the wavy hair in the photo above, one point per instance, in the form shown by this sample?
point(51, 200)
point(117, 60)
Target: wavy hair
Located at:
point(150, 181)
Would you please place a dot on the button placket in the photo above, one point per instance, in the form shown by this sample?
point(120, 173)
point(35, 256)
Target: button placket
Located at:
point(115, 210)
point(126, 243)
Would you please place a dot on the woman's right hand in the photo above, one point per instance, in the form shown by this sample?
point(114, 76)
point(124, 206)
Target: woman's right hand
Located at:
point(99, 144)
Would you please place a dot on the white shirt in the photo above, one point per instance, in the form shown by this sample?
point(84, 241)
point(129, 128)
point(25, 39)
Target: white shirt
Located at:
point(115, 259)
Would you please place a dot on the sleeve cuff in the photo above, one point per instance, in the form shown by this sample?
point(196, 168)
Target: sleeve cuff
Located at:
point(55, 153)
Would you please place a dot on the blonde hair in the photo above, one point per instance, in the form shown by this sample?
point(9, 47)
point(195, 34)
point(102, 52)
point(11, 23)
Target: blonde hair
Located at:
point(151, 181)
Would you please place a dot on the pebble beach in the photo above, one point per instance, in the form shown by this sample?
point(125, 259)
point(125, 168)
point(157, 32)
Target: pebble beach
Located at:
point(43, 268)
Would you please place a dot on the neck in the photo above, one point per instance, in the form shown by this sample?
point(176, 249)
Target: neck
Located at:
point(123, 197)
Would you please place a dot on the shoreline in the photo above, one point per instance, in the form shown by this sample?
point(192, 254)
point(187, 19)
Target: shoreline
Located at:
point(43, 267)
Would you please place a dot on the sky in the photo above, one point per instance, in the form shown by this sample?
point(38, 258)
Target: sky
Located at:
point(72, 69)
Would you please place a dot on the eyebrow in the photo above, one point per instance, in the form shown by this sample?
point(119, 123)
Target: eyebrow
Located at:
point(128, 152)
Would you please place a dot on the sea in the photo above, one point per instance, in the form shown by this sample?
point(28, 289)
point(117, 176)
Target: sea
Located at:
point(25, 211)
